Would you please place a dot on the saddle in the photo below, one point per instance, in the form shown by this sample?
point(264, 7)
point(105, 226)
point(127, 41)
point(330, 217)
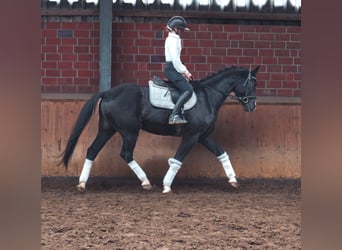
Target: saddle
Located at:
point(163, 95)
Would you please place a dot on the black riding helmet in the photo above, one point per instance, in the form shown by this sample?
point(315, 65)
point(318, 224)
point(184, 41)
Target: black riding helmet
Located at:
point(176, 21)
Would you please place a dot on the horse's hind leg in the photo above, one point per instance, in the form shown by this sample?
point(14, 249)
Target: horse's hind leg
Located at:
point(129, 142)
point(101, 138)
point(223, 157)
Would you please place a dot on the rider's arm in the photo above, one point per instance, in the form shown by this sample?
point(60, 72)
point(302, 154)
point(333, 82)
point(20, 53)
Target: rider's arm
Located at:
point(172, 53)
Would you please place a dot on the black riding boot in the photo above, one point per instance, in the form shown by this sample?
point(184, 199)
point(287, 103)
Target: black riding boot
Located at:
point(176, 117)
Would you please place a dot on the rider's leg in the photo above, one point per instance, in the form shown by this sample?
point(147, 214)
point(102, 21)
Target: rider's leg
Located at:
point(184, 87)
point(176, 117)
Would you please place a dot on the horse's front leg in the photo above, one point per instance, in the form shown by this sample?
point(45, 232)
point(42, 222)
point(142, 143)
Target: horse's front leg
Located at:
point(175, 163)
point(223, 157)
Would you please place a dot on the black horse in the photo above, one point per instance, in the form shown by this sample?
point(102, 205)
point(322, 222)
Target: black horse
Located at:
point(126, 109)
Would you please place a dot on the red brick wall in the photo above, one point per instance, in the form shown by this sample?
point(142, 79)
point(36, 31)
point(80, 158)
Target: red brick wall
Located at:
point(70, 57)
point(70, 54)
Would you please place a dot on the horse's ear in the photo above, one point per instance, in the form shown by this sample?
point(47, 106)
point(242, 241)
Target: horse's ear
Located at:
point(254, 71)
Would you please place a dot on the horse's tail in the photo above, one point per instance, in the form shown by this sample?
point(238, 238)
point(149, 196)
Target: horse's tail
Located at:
point(81, 122)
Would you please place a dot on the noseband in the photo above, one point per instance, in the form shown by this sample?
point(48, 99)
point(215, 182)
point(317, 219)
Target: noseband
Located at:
point(245, 99)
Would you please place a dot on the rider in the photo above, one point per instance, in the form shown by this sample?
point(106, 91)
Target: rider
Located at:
point(175, 70)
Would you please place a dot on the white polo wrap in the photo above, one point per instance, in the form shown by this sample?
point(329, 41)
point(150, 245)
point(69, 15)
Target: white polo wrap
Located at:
point(85, 171)
point(175, 165)
point(137, 170)
point(227, 165)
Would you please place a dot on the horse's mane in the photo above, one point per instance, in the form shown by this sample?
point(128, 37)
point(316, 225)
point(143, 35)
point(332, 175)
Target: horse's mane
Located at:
point(214, 77)
point(217, 74)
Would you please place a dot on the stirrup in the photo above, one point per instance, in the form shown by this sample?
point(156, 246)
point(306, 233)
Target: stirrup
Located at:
point(176, 119)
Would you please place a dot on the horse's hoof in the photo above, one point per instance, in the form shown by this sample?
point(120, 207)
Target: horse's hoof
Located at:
point(167, 190)
point(234, 184)
point(81, 187)
point(146, 185)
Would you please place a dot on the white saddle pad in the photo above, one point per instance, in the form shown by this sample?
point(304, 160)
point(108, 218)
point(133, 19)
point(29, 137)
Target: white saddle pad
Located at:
point(161, 97)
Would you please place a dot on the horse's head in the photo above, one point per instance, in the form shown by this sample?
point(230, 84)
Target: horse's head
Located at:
point(245, 90)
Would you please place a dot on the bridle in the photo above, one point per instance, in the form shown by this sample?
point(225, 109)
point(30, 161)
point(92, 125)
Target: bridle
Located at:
point(245, 99)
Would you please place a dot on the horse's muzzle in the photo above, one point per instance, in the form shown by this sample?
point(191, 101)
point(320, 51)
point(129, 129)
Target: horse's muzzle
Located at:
point(249, 106)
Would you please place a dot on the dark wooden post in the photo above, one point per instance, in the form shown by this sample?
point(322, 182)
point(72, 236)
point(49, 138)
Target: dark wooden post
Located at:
point(105, 64)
